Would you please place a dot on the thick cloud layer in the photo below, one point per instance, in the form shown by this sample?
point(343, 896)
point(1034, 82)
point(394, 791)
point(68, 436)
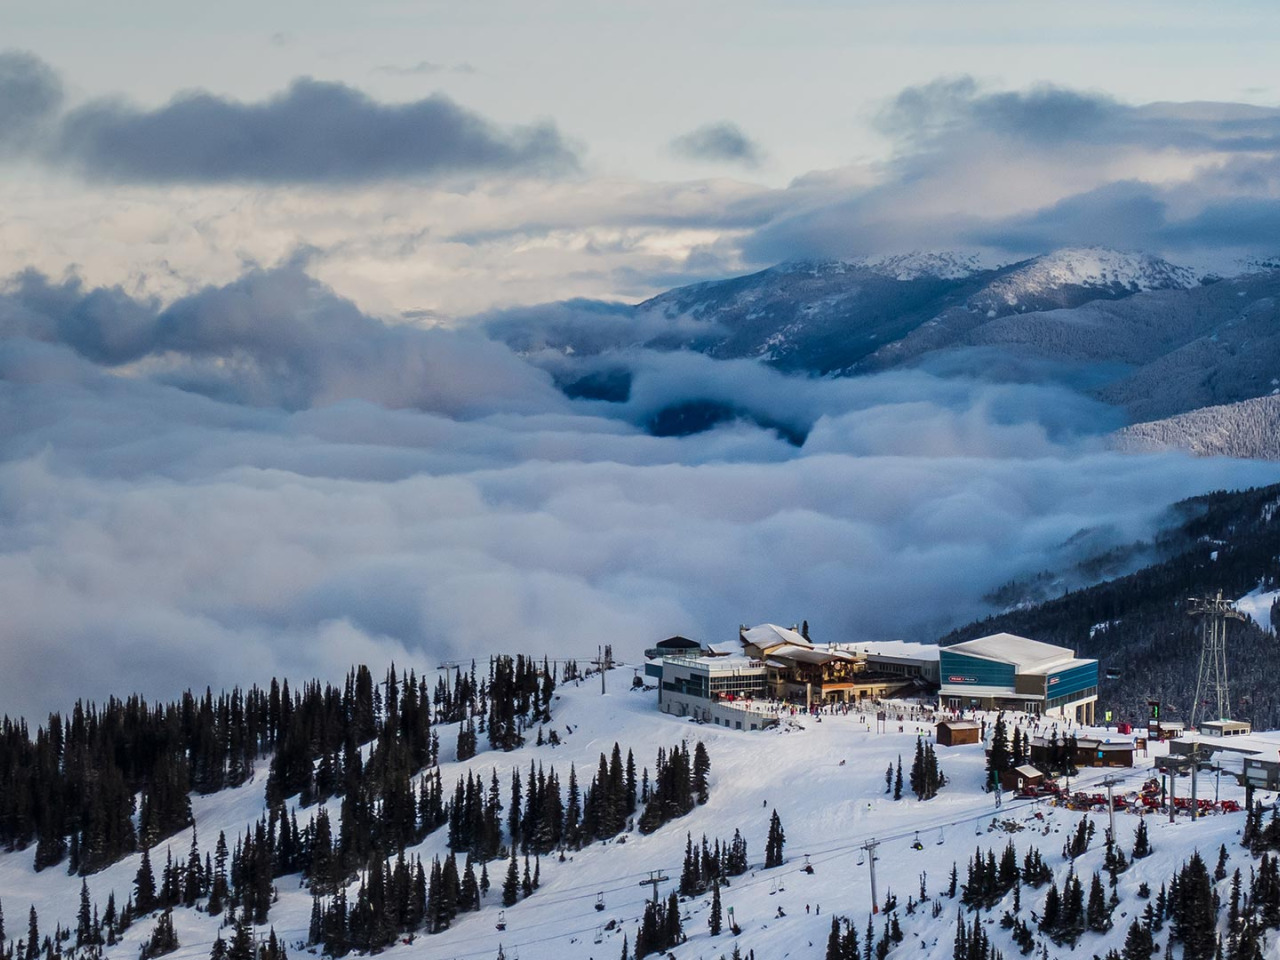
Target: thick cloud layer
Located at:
point(305, 512)
point(314, 132)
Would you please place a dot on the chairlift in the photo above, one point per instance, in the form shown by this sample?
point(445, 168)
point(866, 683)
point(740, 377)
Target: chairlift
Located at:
point(862, 857)
point(916, 844)
point(773, 889)
point(808, 867)
point(599, 935)
point(502, 920)
point(977, 828)
point(600, 901)
point(941, 837)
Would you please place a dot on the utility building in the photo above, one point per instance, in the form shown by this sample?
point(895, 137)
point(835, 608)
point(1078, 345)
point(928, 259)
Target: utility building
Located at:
point(1008, 672)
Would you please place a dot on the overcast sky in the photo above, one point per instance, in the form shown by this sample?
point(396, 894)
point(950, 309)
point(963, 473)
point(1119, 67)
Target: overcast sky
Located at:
point(442, 158)
point(246, 426)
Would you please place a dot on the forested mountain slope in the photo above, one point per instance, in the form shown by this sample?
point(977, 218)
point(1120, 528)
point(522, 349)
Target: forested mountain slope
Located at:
point(1248, 429)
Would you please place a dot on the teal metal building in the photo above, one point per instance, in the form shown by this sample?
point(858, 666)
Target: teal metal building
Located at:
point(1008, 672)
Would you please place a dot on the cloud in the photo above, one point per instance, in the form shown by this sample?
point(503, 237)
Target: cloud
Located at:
point(948, 109)
point(160, 533)
point(314, 132)
point(1023, 172)
point(720, 142)
point(424, 68)
point(274, 338)
point(30, 94)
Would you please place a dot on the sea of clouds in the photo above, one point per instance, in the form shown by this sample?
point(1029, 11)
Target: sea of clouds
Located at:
point(260, 479)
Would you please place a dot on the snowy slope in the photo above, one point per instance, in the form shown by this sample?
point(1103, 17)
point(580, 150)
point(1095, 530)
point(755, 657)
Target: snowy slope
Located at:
point(918, 264)
point(1257, 604)
point(1250, 428)
point(825, 778)
point(1095, 267)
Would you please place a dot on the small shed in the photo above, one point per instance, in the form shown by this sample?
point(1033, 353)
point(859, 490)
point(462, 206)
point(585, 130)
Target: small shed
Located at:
point(1021, 777)
point(1226, 728)
point(1092, 752)
point(953, 733)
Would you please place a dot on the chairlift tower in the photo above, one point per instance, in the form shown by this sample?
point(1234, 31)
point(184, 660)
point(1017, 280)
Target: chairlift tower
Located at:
point(1214, 613)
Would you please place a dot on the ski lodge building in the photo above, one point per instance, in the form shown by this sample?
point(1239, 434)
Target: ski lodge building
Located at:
point(1008, 672)
point(719, 690)
point(716, 682)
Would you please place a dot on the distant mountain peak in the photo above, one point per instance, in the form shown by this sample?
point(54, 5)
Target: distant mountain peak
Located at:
point(1098, 267)
point(920, 264)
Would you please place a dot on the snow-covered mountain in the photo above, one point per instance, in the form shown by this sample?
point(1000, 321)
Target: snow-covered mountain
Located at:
point(921, 264)
point(823, 316)
point(1140, 332)
point(1081, 269)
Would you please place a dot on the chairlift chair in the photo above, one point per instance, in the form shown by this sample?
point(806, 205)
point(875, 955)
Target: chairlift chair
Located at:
point(862, 857)
point(941, 837)
point(916, 844)
point(502, 920)
point(599, 935)
point(600, 901)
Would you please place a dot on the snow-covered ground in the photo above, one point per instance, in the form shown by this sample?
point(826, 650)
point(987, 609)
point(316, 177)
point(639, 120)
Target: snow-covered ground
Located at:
point(825, 778)
point(1257, 604)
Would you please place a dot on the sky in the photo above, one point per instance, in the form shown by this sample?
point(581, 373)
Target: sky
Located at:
point(618, 149)
point(250, 419)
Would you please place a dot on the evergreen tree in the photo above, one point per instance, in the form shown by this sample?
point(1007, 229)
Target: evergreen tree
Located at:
point(835, 950)
point(1098, 913)
point(315, 929)
point(1141, 843)
point(144, 885)
point(164, 939)
point(714, 920)
point(33, 935)
point(1138, 943)
point(511, 887)
point(241, 946)
point(701, 768)
point(1194, 912)
point(84, 920)
point(192, 880)
point(998, 757)
point(774, 843)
